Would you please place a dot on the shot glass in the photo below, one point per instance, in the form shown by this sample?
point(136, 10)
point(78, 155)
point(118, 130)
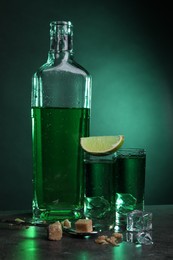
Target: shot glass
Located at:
point(100, 190)
point(130, 181)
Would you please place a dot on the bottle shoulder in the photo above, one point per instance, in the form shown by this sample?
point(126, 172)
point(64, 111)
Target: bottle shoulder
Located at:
point(80, 68)
point(42, 68)
point(68, 66)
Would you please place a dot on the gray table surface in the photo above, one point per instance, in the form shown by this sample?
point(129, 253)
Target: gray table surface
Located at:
point(31, 243)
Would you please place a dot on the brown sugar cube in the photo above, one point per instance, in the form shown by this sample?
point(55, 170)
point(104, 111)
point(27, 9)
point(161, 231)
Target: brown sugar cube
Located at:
point(118, 236)
point(55, 231)
point(66, 223)
point(101, 240)
point(112, 240)
point(84, 225)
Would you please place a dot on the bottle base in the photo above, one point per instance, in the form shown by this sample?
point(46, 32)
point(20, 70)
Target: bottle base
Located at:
point(40, 215)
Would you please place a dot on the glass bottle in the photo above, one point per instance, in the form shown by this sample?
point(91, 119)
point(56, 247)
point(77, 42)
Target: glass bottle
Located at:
point(60, 111)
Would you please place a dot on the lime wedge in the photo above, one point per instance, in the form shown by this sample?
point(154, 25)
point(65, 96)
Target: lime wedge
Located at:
point(100, 145)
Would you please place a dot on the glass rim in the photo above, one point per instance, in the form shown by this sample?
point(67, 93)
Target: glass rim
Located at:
point(131, 152)
point(61, 23)
point(131, 149)
point(98, 158)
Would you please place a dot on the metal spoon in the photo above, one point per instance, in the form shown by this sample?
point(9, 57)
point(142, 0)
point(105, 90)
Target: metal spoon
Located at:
point(73, 232)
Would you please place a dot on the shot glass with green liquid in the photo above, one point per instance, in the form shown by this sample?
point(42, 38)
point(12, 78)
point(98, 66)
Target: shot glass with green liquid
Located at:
point(130, 182)
point(100, 190)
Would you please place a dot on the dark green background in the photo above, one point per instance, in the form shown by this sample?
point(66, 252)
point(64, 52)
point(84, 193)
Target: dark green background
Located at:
point(127, 47)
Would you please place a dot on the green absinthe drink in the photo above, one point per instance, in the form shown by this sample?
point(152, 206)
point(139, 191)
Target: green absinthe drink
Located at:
point(131, 174)
point(100, 191)
point(130, 181)
point(61, 96)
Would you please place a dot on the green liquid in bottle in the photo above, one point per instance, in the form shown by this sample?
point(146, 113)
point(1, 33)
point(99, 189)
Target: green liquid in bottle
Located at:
point(58, 161)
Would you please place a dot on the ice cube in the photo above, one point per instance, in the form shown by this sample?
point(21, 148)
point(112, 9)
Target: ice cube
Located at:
point(131, 237)
point(97, 207)
point(125, 202)
point(144, 238)
point(101, 211)
point(139, 221)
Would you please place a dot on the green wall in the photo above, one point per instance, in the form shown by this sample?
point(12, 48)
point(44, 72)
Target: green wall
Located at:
point(127, 47)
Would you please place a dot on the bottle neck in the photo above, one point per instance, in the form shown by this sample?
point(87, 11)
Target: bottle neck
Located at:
point(61, 40)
